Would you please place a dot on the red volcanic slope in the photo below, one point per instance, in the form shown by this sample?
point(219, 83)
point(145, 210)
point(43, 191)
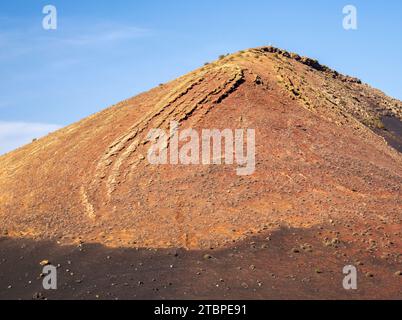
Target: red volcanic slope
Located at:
point(320, 159)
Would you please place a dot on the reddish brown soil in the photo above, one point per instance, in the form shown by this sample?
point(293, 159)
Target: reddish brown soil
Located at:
point(321, 159)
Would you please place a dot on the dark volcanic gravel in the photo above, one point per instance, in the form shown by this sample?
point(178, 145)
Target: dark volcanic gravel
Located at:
point(287, 264)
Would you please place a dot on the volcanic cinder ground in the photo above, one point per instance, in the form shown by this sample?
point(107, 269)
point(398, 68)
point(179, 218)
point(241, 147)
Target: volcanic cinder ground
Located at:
point(326, 193)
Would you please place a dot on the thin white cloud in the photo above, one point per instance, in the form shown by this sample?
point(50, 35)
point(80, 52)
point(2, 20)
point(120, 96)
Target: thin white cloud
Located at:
point(21, 41)
point(105, 35)
point(16, 134)
point(4, 104)
point(13, 44)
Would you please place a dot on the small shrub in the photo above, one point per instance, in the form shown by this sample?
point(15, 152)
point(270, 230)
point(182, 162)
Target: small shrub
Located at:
point(378, 124)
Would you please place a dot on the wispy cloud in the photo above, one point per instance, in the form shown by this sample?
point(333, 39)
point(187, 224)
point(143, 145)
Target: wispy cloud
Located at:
point(104, 34)
point(17, 134)
point(12, 44)
point(4, 104)
point(19, 41)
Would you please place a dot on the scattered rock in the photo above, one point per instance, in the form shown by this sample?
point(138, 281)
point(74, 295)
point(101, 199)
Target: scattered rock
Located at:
point(44, 263)
point(38, 296)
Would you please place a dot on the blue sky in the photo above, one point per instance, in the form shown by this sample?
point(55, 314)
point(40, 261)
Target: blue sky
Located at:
point(105, 51)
